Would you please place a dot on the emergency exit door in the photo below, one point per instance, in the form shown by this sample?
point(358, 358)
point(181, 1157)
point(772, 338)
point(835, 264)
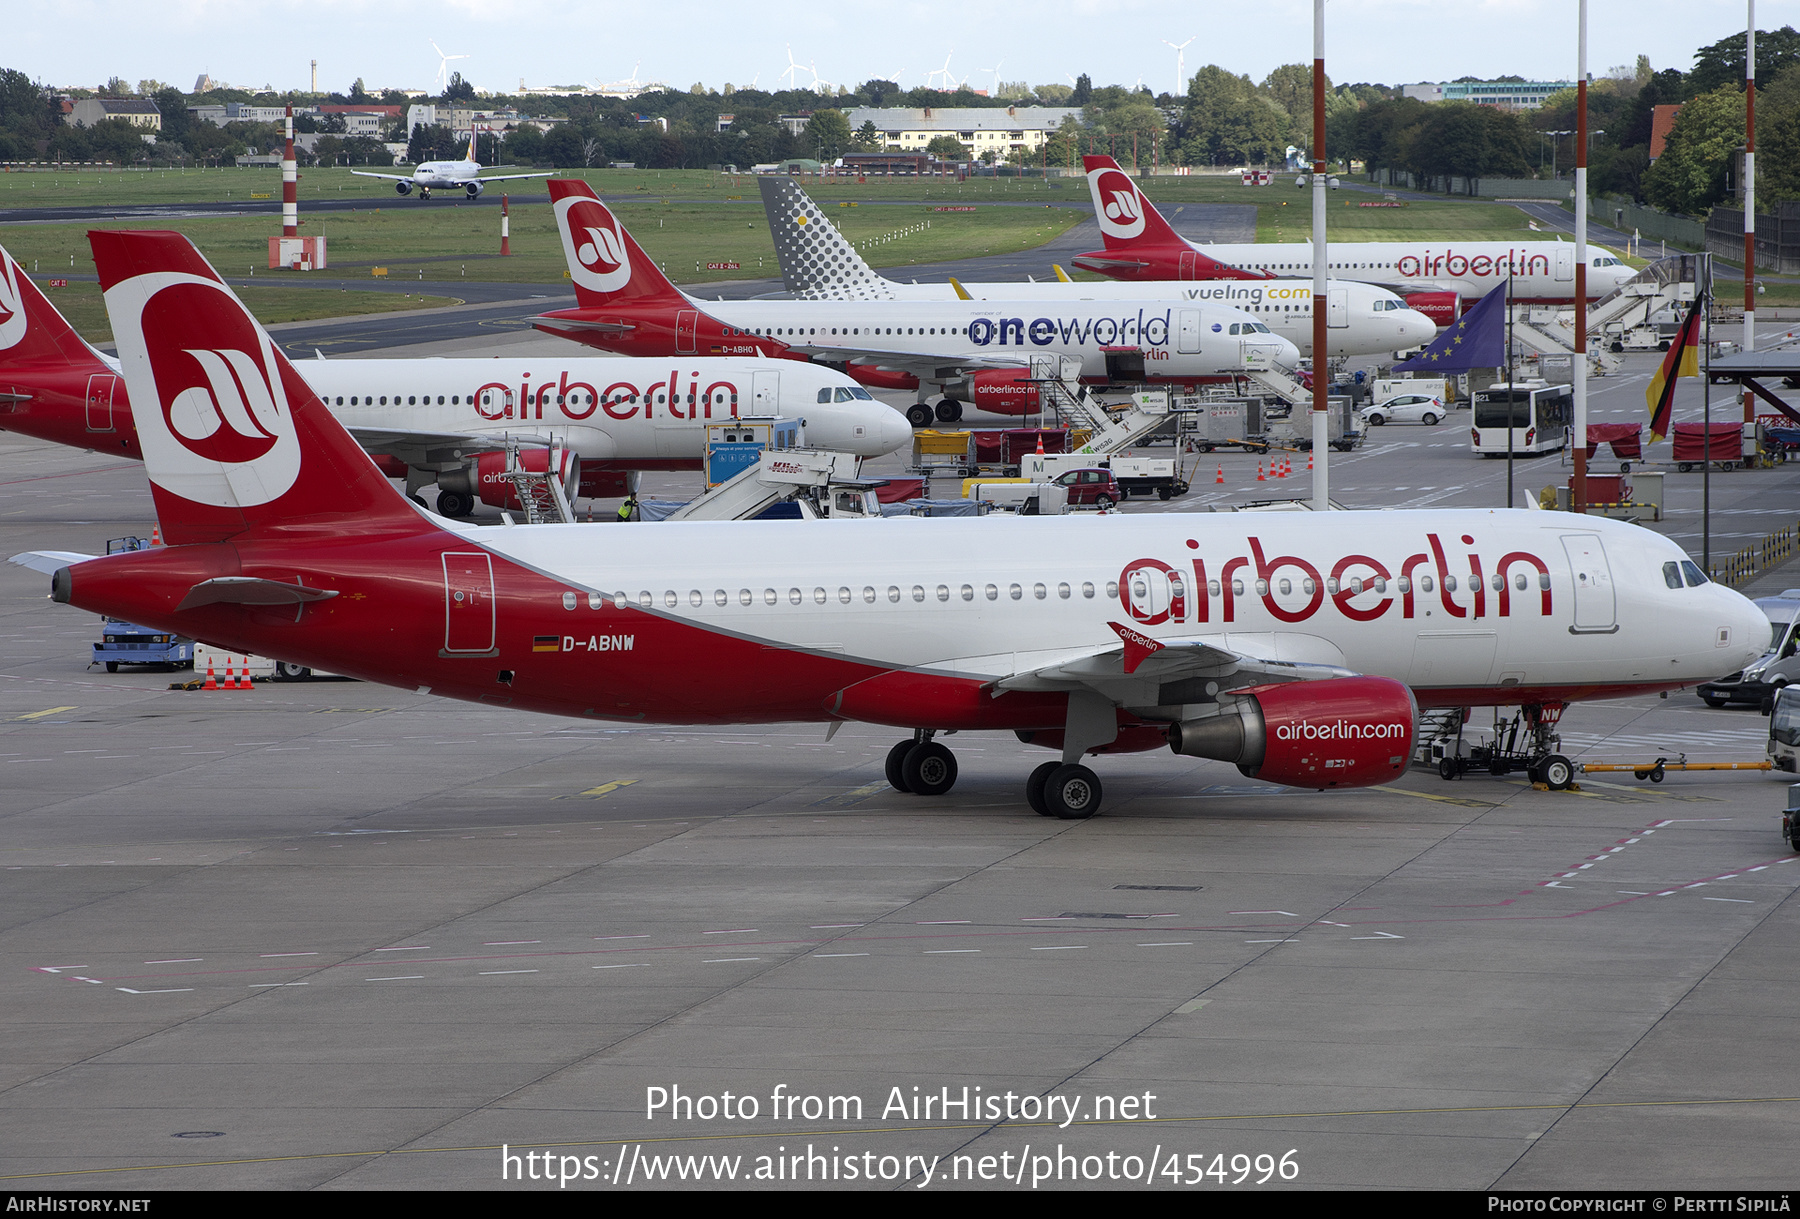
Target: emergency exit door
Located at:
point(99, 402)
point(469, 609)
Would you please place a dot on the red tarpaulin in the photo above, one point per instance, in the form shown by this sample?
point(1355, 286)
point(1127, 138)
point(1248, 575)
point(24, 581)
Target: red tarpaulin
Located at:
point(1690, 441)
point(900, 489)
point(1006, 447)
point(1626, 439)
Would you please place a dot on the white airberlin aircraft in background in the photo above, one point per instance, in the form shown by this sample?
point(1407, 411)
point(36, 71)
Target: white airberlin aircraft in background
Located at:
point(819, 263)
point(1433, 276)
point(449, 421)
point(1298, 647)
point(448, 175)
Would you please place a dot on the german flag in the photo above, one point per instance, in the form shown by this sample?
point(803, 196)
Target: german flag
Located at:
point(1683, 360)
point(546, 643)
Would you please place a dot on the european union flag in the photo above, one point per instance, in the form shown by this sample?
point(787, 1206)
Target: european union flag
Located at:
point(1477, 340)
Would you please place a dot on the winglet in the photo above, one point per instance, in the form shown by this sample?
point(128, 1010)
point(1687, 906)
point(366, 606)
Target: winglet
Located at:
point(962, 293)
point(1061, 275)
point(1138, 647)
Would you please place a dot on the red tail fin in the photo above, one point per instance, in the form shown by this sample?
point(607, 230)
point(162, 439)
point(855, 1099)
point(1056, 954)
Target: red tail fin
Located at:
point(31, 330)
point(1126, 217)
point(233, 438)
point(608, 267)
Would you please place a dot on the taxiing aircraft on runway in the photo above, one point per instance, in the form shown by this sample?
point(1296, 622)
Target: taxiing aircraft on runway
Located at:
point(449, 421)
point(1296, 646)
point(1433, 276)
point(465, 173)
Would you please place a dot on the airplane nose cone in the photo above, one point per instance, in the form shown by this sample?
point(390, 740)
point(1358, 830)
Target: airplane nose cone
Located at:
point(1748, 629)
point(1415, 329)
point(891, 432)
point(1290, 354)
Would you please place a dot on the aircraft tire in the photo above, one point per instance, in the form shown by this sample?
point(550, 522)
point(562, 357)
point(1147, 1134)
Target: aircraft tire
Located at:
point(1558, 772)
point(929, 769)
point(919, 415)
point(949, 410)
point(1034, 789)
point(896, 762)
point(1072, 793)
point(455, 504)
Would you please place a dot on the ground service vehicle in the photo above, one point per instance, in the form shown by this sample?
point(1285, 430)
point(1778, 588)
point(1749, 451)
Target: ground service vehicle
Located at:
point(1758, 682)
point(1405, 408)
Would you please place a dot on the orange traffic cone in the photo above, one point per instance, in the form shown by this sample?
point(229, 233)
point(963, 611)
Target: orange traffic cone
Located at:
point(1040, 447)
point(155, 536)
point(212, 683)
point(1259, 473)
point(1309, 465)
point(1221, 477)
point(231, 673)
point(1280, 471)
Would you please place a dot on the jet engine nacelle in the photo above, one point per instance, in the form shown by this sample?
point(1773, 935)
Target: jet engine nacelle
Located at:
point(1004, 391)
point(1440, 307)
point(403, 187)
point(472, 189)
point(1338, 732)
point(498, 491)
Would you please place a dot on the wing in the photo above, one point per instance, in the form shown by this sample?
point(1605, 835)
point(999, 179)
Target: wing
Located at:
point(423, 448)
point(931, 365)
point(511, 177)
point(390, 177)
point(1142, 672)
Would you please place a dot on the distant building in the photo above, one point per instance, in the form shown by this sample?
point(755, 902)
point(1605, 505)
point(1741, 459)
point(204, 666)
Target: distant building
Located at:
point(241, 112)
point(369, 120)
point(1505, 94)
point(95, 110)
point(1662, 121)
point(984, 129)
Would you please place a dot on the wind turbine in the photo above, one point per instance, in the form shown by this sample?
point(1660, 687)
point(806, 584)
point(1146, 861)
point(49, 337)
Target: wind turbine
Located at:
point(793, 69)
point(443, 72)
point(943, 72)
point(1180, 65)
point(995, 90)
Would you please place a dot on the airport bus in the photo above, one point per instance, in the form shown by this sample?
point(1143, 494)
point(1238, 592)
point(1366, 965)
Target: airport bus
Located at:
point(1539, 417)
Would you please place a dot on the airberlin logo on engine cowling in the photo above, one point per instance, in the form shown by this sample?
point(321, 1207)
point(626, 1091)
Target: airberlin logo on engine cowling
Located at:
point(12, 310)
point(1342, 730)
point(1121, 212)
point(224, 433)
point(593, 244)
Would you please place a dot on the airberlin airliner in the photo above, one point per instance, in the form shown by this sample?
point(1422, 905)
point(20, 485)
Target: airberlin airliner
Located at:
point(1297, 647)
point(447, 420)
point(1433, 275)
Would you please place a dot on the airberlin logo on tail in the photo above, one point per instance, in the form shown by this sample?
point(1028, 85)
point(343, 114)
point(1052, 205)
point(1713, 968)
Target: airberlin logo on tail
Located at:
point(1121, 214)
point(593, 244)
point(225, 433)
point(13, 323)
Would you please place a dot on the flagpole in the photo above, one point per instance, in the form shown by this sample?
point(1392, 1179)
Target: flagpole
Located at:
point(1511, 386)
point(1706, 434)
point(1578, 492)
point(1321, 298)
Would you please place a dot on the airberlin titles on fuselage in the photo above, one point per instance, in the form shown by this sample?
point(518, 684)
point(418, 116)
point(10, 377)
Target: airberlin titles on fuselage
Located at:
point(578, 400)
point(1293, 589)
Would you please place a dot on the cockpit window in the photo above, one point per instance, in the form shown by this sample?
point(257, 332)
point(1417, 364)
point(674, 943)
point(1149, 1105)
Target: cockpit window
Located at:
point(1672, 574)
point(858, 391)
point(844, 395)
point(1695, 577)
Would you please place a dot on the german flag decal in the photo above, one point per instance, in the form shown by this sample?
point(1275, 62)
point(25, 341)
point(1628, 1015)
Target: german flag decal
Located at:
point(546, 643)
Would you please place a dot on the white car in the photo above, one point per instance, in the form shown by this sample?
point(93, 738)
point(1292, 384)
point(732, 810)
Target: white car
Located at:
point(1406, 408)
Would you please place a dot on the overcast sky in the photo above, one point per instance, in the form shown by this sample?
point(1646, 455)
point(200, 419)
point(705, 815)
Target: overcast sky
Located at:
point(269, 42)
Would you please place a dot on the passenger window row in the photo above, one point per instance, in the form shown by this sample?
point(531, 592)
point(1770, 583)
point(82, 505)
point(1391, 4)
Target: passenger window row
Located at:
point(845, 595)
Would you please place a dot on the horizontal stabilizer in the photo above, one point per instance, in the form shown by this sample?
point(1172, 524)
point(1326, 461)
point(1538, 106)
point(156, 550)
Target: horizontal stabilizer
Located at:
point(49, 561)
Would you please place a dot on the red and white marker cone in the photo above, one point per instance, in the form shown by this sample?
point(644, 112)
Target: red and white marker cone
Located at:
point(1221, 478)
point(212, 682)
point(1259, 473)
point(155, 536)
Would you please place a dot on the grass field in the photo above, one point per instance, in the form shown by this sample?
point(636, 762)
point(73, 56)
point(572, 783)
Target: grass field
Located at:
point(684, 219)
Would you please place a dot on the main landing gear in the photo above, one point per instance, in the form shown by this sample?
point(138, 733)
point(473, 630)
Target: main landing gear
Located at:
point(920, 766)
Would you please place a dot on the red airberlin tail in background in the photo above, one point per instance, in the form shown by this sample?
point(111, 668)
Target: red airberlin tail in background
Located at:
point(1140, 245)
point(32, 332)
point(233, 438)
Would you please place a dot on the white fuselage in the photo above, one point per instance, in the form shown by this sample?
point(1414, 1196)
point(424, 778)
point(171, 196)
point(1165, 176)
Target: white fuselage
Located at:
point(1542, 271)
point(1586, 610)
point(1178, 340)
point(606, 409)
point(446, 173)
point(1363, 319)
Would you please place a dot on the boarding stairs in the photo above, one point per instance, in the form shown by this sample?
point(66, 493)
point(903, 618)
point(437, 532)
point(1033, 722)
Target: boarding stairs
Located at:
point(1112, 430)
point(779, 474)
point(542, 495)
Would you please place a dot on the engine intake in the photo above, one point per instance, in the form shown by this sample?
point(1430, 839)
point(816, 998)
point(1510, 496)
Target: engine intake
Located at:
point(1340, 732)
